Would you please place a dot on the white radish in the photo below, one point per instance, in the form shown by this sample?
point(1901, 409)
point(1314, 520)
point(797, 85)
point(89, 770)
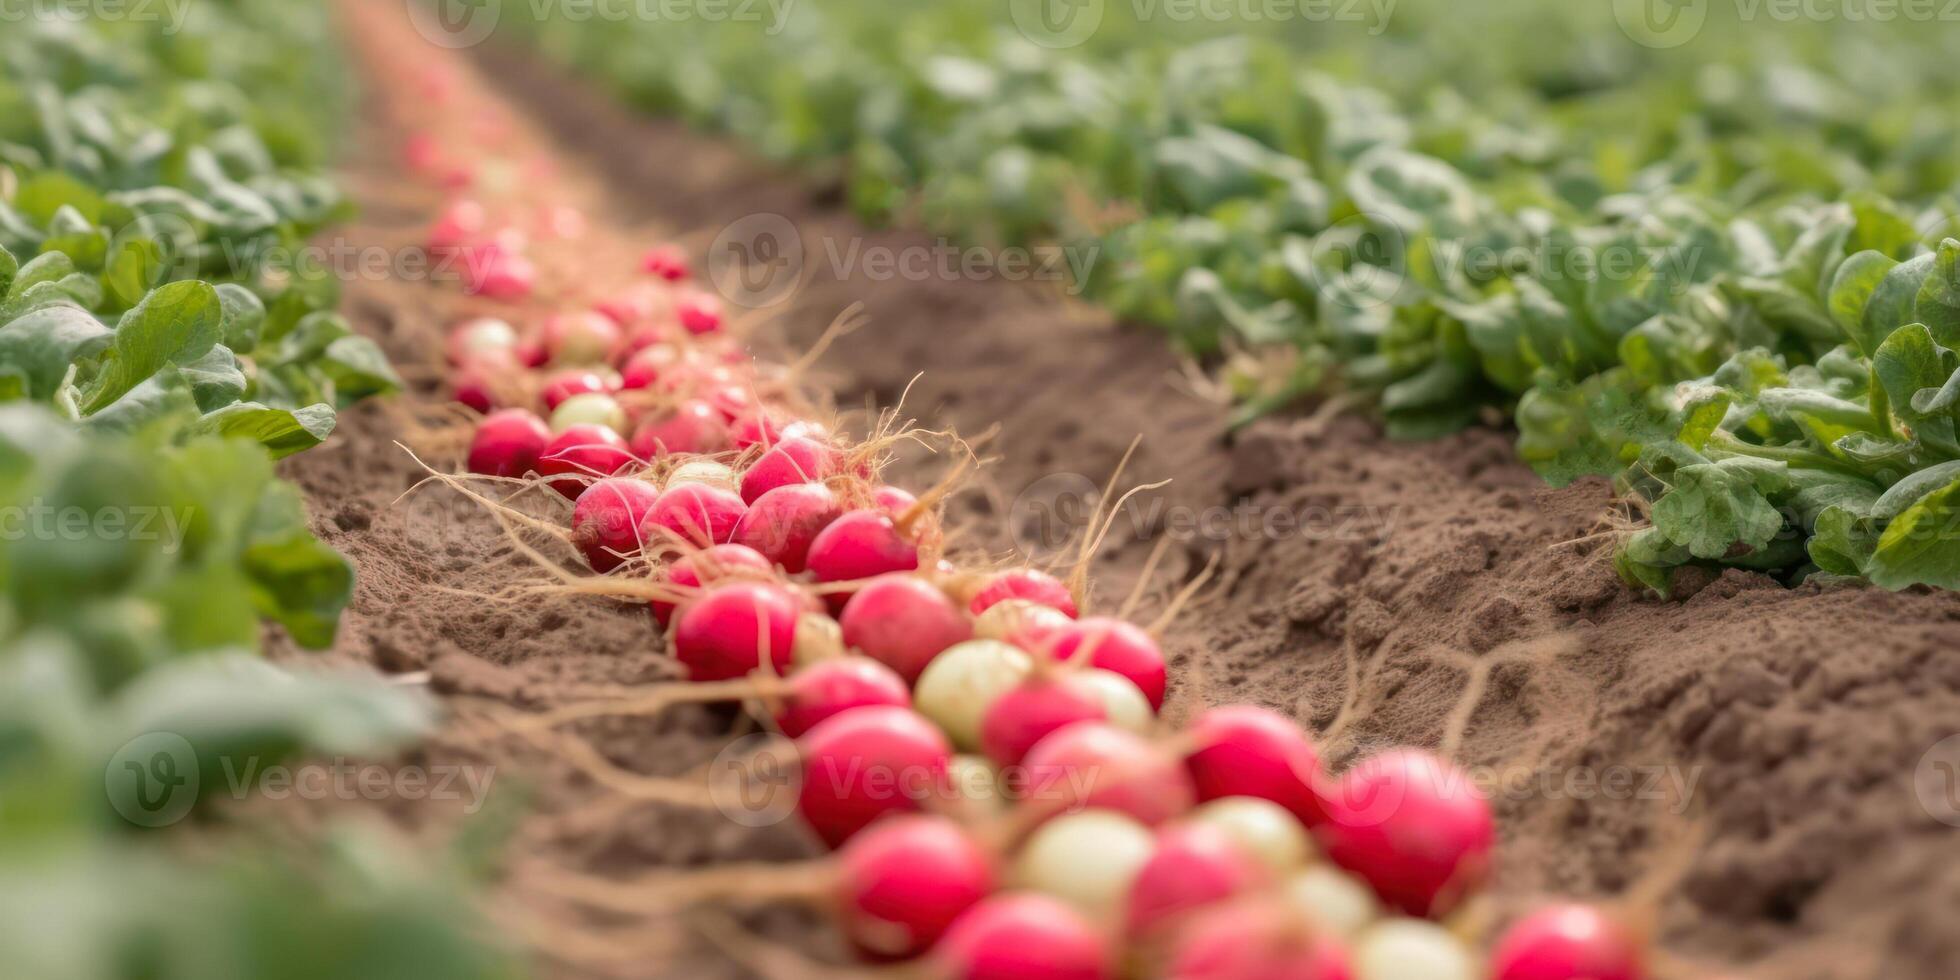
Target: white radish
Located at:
point(1412, 949)
point(1264, 828)
point(962, 681)
point(1086, 859)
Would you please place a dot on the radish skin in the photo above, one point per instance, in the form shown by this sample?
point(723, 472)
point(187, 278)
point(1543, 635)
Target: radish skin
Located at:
point(1023, 936)
point(1332, 899)
point(606, 520)
point(582, 337)
point(869, 763)
point(1086, 859)
point(1119, 646)
point(693, 514)
point(783, 523)
point(1263, 828)
point(1412, 826)
point(1243, 750)
point(581, 455)
point(577, 381)
point(1568, 942)
point(832, 687)
point(1123, 705)
point(1092, 764)
point(902, 621)
point(1256, 941)
point(793, 460)
point(507, 443)
point(693, 426)
point(1024, 583)
point(904, 880)
point(1194, 865)
point(590, 408)
point(858, 545)
point(721, 636)
point(706, 567)
point(1411, 949)
point(1032, 710)
point(703, 471)
point(959, 684)
point(479, 337)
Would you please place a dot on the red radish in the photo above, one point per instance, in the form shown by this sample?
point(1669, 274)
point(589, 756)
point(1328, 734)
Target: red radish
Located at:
point(1256, 941)
point(459, 176)
point(767, 427)
point(507, 443)
point(725, 633)
point(462, 222)
point(1243, 750)
point(832, 687)
point(1119, 647)
point(589, 408)
point(575, 381)
point(1031, 711)
point(531, 351)
point(1028, 625)
point(796, 460)
point(1092, 764)
point(903, 881)
point(733, 401)
point(1024, 583)
point(1411, 825)
point(666, 261)
point(782, 523)
point(634, 306)
point(902, 621)
point(422, 154)
point(1568, 942)
point(859, 545)
point(893, 501)
point(647, 365)
point(692, 427)
point(864, 764)
point(580, 454)
point(582, 337)
point(705, 567)
point(606, 520)
point(483, 336)
point(1023, 936)
point(475, 383)
point(496, 272)
point(1195, 865)
point(693, 513)
point(699, 313)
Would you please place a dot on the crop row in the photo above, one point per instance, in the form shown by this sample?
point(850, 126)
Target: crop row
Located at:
point(161, 345)
point(1716, 274)
point(981, 749)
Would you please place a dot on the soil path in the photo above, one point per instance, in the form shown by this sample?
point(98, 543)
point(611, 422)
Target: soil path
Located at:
point(1769, 737)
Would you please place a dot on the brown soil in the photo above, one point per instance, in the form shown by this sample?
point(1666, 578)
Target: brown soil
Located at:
point(1768, 736)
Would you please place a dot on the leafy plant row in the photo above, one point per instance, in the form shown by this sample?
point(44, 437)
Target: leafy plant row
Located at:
point(163, 341)
point(1674, 268)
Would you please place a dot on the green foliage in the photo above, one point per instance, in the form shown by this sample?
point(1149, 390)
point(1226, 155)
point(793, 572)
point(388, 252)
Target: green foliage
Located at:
point(1684, 267)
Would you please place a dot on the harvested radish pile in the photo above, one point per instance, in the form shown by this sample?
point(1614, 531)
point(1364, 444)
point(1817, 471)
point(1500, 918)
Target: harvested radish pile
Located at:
point(979, 491)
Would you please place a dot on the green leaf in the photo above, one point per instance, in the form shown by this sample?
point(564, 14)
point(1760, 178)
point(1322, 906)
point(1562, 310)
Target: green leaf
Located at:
point(43, 344)
point(1908, 491)
point(1922, 545)
point(175, 324)
point(42, 195)
point(1891, 304)
point(215, 379)
point(131, 269)
point(244, 315)
point(162, 396)
point(1851, 292)
point(358, 369)
point(283, 432)
point(1938, 302)
point(1714, 509)
point(9, 267)
point(296, 580)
